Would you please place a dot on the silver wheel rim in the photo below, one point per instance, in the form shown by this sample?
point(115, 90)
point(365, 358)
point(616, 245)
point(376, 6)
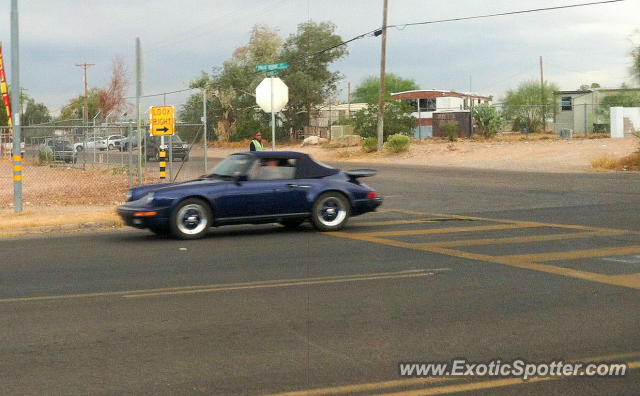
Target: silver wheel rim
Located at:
point(331, 211)
point(191, 219)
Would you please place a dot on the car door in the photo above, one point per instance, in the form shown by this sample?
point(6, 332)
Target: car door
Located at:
point(246, 199)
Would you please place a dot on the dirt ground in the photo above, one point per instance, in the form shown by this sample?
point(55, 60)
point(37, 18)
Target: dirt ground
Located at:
point(537, 153)
point(63, 199)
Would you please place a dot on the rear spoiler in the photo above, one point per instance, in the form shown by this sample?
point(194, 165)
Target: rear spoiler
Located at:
point(355, 174)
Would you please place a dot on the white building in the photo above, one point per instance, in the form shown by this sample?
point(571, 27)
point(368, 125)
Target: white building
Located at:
point(428, 101)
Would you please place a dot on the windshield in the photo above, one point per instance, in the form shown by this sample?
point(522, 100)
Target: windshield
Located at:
point(233, 165)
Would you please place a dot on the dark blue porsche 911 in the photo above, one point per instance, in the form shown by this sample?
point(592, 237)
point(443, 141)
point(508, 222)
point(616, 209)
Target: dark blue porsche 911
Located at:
point(252, 188)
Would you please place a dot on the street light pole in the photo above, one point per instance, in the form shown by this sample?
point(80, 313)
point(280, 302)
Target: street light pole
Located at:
point(383, 66)
point(15, 105)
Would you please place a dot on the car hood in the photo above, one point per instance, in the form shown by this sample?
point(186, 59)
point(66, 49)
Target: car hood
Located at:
point(139, 192)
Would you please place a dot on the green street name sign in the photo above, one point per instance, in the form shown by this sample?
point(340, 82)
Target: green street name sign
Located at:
point(271, 67)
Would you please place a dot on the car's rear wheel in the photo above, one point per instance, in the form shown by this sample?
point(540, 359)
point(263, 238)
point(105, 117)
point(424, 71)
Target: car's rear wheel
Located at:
point(191, 219)
point(291, 223)
point(330, 211)
point(79, 148)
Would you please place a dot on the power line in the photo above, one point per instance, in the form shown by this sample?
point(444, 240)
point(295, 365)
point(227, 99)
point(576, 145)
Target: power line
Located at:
point(377, 32)
point(404, 25)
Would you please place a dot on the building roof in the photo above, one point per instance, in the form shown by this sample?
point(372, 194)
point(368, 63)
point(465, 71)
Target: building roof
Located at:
point(435, 93)
point(586, 91)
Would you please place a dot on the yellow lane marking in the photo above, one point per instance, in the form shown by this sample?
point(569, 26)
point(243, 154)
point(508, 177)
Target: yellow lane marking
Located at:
point(452, 230)
point(336, 390)
point(393, 222)
point(575, 254)
point(511, 221)
point(447, 389)
point(521, 239)
point(181, 288)
point(518, 261)
point(284, 284)
point(372, 386)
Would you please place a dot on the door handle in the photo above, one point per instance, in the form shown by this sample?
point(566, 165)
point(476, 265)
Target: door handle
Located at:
point(293, 185)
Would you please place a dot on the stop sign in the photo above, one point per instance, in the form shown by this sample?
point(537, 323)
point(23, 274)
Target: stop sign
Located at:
point(280, 94)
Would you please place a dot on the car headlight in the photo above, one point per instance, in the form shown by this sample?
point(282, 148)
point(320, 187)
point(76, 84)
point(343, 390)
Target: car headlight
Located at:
point(184, 145)
point(147, 199)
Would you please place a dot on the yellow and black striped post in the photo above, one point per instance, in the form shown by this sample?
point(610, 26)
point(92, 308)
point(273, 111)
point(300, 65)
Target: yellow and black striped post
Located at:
point(163, 163)
point(17, 168)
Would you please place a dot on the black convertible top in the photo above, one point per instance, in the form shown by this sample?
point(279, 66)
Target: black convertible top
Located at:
point(306, 167)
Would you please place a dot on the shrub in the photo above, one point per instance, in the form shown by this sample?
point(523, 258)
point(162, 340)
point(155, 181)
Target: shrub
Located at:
point(45, 157)
point(451, 129)
point(370, 144)
point(398, 143)
point(488, 119)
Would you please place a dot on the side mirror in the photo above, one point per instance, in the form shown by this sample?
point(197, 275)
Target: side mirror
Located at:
point(239, 178)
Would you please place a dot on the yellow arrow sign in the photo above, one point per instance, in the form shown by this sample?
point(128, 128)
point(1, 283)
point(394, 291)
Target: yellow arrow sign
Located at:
point(162, 120)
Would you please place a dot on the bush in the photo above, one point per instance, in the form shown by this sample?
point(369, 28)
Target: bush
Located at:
point(488, 119)
point(398, 143)
point(451, 129)
point(370, 145)
point(45, 157)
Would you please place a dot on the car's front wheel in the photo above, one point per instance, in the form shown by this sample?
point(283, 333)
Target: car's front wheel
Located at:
point(191, 219)
point(330, 211)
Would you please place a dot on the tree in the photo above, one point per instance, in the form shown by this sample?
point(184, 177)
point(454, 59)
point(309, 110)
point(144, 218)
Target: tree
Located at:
point(528, 105)
point(230, 101)
point(586, 87)
point(34, 113)
point(397, 119)
point(368, 91)
point(488, 120)
point(73, 110)
point(310, 81)
point(635, 67)
point(112, 99)
point(3, 114)
point(620, 99)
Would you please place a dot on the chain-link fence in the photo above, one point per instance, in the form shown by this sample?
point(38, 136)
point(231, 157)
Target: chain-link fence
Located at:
point(71, 164)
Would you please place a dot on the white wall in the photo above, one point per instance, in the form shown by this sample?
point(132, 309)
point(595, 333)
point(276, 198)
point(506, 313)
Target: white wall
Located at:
point(617, 117)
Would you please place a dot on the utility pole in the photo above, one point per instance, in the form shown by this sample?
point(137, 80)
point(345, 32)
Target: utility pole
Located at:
point(15, 105)
point(85, 108)
point(383, 66)
point(204, 122)
point(349, 100)
point(544, 104)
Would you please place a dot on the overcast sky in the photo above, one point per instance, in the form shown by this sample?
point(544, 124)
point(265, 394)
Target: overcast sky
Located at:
point(182, 38)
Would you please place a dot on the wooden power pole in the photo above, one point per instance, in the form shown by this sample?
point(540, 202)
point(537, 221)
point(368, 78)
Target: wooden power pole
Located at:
point(383, 66)
point(543, 101)
point(85, 108)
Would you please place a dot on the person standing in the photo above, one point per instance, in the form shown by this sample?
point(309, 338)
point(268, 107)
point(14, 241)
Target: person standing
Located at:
point(256, 143)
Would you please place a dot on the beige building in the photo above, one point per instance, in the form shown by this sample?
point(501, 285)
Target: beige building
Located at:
point(580, 110)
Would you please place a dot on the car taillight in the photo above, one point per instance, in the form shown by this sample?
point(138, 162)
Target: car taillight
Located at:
point(372, 194)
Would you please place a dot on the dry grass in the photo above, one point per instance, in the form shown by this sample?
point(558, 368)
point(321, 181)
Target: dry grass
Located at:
point(630, 162)
point(48, 219)
point(242, 144)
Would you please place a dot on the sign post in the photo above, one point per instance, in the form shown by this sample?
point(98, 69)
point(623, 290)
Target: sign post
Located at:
point(162, 123)
point(277, 95)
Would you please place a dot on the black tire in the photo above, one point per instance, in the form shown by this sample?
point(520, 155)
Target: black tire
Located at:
point(331, 211)
point(191, 219)
point(111, 147)
point(291, 223)
point(79, 148)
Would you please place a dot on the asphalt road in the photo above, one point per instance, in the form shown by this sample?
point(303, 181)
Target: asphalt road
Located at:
point(459, 264)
